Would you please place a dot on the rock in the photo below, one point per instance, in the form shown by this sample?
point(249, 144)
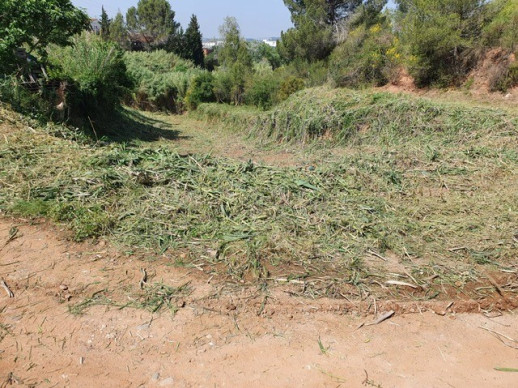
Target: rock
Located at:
point(169, 382)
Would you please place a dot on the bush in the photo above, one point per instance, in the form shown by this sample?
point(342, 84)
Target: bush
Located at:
point(504, 76)
point(38, 104)
point(223, 86)
point(367, 57)
point(440, 37)
point(289, 86)
point(200, 90)
point(262, 90)
point(162, 79)
point(502, 31)
point(96, 73)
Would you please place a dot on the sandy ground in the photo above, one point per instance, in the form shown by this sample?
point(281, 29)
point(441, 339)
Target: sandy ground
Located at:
point(223, 336)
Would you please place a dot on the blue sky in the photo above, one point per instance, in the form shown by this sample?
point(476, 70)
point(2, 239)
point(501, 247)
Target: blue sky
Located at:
point(257, 19)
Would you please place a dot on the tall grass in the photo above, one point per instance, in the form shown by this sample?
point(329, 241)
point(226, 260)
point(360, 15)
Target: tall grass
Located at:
point(96, 71)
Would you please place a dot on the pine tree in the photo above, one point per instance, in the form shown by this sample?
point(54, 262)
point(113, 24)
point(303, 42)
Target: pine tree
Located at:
point(118, 31)
point(176, 43)
point(105, 24)
point(193, 43)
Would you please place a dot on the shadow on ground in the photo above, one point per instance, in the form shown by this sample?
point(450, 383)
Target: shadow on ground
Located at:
point(129, 125)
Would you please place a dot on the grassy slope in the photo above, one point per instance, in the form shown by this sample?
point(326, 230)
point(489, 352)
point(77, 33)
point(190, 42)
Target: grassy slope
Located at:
point(430, 187)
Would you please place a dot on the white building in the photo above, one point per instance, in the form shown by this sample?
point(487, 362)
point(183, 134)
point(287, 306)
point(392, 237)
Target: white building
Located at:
point(210, 45)
point(269, 42)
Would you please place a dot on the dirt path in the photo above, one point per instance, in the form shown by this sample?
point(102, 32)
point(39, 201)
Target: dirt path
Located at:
point(222, 336)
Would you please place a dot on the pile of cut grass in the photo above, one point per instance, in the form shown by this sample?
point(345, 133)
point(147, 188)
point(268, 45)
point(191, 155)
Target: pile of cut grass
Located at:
point(439, 206)
point(352, 117)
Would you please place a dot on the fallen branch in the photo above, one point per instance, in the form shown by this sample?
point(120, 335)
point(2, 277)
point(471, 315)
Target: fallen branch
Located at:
point(10, 294)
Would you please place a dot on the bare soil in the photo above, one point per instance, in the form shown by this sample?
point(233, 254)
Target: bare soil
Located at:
point(223, 334)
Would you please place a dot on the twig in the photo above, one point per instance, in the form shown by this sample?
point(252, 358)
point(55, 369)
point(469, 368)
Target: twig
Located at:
point(6, 288)
point(499, 336)
point(398, 283)
point(13, 234)
point(496, 285)
point(376, 255)
point(381, 318)
point(93, 129)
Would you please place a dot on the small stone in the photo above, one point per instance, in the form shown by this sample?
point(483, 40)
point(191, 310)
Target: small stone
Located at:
point(169, 382)
point(156, 376)
point(63, 287)
point(231, 307)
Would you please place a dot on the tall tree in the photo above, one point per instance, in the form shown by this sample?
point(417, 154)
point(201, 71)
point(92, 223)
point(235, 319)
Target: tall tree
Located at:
point(440, 36)
point(156, 18)
point(193, 42)
point(35, 24)
point(105, 24)
point(132, 19)
point(235, 58)
point(333, 10)
point(314, 22)
point(176, 43)
point(118, 31)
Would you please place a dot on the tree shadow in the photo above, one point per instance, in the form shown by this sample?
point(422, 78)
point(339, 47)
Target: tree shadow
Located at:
point(129, 125)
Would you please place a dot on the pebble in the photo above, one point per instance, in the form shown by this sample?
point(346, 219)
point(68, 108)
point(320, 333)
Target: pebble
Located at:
point(169, 382)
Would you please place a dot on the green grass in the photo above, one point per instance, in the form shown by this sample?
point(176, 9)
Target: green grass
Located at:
point(438, 200)
point(154, 298)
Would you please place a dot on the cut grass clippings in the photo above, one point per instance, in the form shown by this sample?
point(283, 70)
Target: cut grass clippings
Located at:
point(437, 199)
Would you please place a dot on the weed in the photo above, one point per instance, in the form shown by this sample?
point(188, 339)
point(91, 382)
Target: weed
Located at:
point(323, 350)
point(160, 296)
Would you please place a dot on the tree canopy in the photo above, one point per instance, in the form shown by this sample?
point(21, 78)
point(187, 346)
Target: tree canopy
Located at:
point(152, 17)
point(35, 24)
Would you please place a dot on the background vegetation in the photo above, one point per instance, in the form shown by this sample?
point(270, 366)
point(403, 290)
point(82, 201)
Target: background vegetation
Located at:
point(146, 59)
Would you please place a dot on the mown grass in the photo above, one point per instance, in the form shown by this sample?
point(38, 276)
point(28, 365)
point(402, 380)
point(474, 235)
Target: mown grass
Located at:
point(437, 201)
point(347, 117)
point(154, 298)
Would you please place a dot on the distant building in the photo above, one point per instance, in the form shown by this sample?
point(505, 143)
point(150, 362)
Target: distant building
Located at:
point(211, 44)
point(95, 26)
point(270, 42)
point(207, 51)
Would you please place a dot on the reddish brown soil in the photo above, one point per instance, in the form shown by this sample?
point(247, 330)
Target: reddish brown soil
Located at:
point(223, 336)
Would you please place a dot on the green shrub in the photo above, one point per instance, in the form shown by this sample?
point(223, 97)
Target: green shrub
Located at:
point(366, 57)
point(223, 86)
point(440, 37)
point(504, 76)
point(262, 90)
point(289, 86)
point(162, 79)
point(200, 90)
point(96, 71)
point(502, 31)
point(38, 104)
